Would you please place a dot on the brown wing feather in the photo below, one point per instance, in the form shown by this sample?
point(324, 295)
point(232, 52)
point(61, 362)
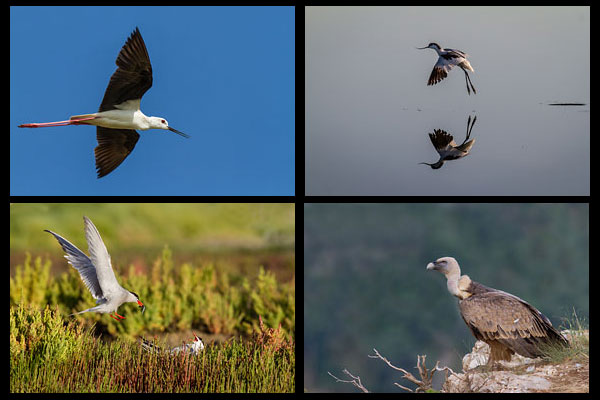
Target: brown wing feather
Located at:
point(511, 322)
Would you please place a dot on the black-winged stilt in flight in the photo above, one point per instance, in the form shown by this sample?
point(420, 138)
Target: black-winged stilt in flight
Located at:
point(119, 114)
point(448, 58)
point(446, 146)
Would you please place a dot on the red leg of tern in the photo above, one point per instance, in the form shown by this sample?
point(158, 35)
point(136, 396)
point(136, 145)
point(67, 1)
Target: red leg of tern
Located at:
point(120, 316)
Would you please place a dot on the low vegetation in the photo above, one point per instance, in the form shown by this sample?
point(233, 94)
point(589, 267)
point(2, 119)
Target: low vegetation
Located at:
point(53, 352)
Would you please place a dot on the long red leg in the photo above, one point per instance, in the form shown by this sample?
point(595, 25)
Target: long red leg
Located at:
point(57, 123)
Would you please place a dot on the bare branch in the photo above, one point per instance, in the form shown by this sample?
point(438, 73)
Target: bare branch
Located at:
point(426, 375)
point(355, 380)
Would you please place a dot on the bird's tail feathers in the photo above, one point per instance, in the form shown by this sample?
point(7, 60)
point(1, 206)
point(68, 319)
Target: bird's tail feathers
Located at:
point(84, 311)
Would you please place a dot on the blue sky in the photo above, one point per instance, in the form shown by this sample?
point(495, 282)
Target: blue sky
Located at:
point(225, 76)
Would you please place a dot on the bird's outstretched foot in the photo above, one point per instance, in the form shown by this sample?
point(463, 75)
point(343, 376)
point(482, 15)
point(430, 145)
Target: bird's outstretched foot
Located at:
point(118, 319)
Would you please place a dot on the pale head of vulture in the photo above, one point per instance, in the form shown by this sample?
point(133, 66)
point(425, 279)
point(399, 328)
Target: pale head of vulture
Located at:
point(457, 285)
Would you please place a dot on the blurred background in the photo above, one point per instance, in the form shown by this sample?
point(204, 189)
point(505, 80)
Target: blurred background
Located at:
point(214, 268)
point(366, 284)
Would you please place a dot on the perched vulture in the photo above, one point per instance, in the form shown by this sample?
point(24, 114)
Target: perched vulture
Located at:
point(505, 322)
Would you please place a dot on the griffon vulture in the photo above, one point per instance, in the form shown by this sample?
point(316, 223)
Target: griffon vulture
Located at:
point(505, 322)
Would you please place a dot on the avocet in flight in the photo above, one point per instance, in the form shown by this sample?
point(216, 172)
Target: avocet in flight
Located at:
point(447, 148)
point(448, 59)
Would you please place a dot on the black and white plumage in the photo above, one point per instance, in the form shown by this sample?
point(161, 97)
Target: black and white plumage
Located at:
point(448, 59)
point(119, 115)
point(447, 148)
point(505, 322)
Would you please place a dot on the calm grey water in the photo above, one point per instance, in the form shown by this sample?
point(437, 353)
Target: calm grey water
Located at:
point(369, 109)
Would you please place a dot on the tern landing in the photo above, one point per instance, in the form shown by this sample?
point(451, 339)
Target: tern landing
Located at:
point(97, 273)
point(446, 146)
point(448, 58)
point(119, 114)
